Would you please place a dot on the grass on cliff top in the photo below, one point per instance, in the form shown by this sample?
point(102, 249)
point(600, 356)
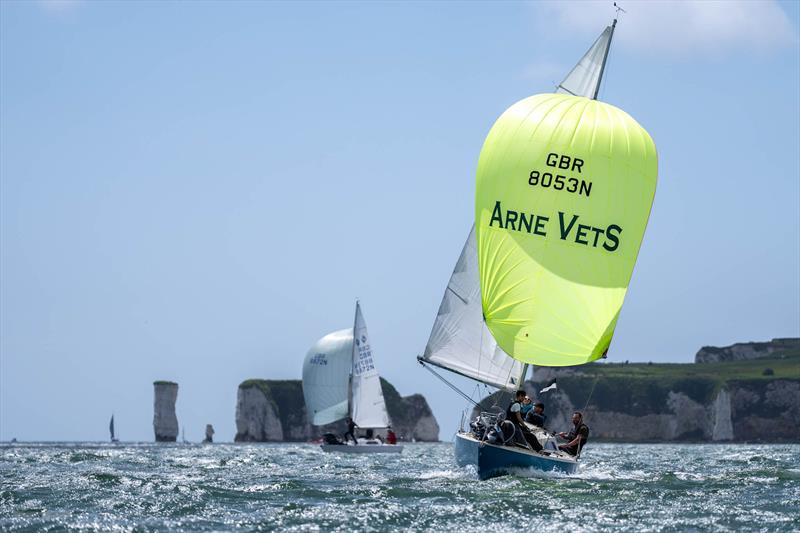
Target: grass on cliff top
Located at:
point(274, 388)
point(162, 382)
point(260, 383)
point(787, 367)
point(290, 386)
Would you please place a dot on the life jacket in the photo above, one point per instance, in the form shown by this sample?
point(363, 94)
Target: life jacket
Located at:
point(576, 431)
point(536, 419)
point(510, 415)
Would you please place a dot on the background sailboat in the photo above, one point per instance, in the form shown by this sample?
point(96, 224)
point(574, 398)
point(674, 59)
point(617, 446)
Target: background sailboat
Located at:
point(340, 380)
point(111, 430)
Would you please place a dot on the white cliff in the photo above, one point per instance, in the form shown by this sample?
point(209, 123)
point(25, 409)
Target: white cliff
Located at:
point(256, 417)
point(743, 351)
point(274, 410)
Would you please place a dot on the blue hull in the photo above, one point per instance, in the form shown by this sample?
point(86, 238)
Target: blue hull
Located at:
point(492, 460)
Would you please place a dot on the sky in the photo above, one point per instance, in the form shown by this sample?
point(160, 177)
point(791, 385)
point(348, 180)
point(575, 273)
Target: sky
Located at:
point(198, 191)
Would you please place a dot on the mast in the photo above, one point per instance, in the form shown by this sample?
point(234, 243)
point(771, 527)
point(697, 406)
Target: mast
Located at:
point(605, 59)
point(352, 363)
point(350, 395)
point(522, 375)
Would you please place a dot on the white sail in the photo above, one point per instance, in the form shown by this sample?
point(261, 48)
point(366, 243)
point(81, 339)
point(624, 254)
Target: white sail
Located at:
point(326, 372)
point(368, 408)
point(584, 78)
point(459, 341)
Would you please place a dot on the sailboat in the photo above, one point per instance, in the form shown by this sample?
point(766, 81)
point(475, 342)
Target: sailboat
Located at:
point(521, 292)
point(111, 429)
point(339, 381)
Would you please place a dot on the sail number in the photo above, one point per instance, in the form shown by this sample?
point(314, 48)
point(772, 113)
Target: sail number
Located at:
point(561, 182)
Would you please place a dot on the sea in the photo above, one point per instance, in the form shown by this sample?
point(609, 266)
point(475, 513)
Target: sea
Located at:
point(297, 487)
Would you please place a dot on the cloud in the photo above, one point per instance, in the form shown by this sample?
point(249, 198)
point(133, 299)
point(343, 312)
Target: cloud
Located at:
point(680, 28)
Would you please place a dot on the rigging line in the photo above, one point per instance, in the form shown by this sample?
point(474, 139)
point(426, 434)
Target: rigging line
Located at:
point(565, 89)
point(459, 391)
point(476, 390)
point(596, 379)
point(482, 327)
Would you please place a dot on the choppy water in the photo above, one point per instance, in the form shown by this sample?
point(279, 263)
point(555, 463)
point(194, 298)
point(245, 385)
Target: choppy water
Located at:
point(297, 487)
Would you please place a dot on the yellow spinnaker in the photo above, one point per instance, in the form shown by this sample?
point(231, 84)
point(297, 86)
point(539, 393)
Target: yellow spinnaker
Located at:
point(564, 190)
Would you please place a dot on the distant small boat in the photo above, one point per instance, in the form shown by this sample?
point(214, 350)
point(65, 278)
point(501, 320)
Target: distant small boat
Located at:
point(340, 380)
point(111, 429)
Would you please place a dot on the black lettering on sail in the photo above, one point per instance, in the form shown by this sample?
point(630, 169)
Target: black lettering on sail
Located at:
point(497, 214)
point(614, 238)
point(565, 231)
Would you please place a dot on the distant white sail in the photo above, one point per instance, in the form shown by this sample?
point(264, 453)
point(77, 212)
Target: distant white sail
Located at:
point(326, 372)
point(584, 78)
point(368, 408)
point(459, 341)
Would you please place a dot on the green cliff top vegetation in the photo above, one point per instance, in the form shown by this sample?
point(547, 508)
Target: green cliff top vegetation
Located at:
point(161, 382)
point(786, 367)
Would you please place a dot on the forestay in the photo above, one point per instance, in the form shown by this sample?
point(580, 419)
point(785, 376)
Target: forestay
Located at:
point(368, 407)
point(326, 372)
point(460, 341)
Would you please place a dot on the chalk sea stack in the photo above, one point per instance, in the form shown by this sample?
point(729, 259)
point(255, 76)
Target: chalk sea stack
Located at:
point(209, 434)
point(275, 411)
point(165, 422)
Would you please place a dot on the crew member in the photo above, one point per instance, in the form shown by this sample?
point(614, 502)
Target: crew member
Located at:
point(578, 437)
point(526, 406)
point(391, 438)
point(537, 416)
point(351, 430)
point(514, 413)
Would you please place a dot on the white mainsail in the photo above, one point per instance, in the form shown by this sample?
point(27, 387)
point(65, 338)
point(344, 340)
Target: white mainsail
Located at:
point(368, 409)
point(460, 341)
point(584, 78)
point(326, 372)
